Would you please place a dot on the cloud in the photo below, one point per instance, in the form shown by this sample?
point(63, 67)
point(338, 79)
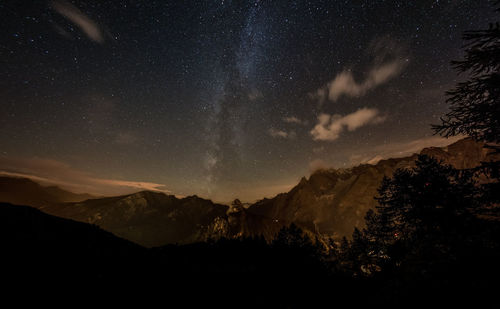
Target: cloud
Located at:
point(316, 165)
point(281, 134)
point(375, 159)
point(344, 83)
point(387, 63)
point(72, 13)
point(52, 172)
point(141, 185)
point(329, 127)
point(294, 120)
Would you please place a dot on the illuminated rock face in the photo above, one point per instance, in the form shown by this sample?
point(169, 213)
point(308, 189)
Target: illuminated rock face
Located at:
point(334, 201)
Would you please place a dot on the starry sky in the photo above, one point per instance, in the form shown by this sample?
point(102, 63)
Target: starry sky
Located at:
point(222, 99)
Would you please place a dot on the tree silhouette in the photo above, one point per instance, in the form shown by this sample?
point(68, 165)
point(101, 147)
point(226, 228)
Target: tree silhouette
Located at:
point(292, 237)
point(423, 215)
point(475, 103)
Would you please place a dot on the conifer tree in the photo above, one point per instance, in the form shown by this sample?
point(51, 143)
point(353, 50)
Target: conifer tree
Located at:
point(475, 103)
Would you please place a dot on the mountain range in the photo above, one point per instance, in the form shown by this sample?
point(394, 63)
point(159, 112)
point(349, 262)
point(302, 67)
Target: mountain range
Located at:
point(334, 201)
point(148, 218)
point(330, 201)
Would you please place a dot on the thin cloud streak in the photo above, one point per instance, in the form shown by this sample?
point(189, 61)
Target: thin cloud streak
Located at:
point(51, 172)
point(281, 134)
point(294, 120)
point(72, 13)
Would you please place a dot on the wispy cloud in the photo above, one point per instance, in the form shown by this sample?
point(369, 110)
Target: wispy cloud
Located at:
point(388, 63)
point(52, 172)
point(72, 13)
point(294, 120)
point(329, 127)
point(316, 165)
point(281, 134)
point(344, 83)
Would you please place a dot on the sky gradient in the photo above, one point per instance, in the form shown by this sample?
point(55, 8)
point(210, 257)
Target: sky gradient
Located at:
point(222, 99)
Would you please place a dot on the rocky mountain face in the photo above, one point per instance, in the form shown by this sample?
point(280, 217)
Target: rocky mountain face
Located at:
point(334, 201)
point(147, 218)
point(23, 191)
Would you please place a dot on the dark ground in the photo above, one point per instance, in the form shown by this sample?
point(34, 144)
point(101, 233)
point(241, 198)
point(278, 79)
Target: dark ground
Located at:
point(56, 258)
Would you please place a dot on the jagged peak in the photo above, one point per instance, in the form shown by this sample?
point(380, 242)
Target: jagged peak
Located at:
point(236, 203)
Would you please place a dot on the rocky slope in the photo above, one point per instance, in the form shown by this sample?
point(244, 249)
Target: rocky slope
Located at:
point(334, 201)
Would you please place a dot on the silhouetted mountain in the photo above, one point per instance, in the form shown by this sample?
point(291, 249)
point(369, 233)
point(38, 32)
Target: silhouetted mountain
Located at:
point(39, 246)
point(41, 252)
point(334, 201)
point(24, 191)
point(147, 218)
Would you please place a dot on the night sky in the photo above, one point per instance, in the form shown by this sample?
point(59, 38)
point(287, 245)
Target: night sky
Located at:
point(222, 99)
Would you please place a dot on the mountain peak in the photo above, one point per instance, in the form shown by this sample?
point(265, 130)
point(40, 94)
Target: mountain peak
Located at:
point(236, 203)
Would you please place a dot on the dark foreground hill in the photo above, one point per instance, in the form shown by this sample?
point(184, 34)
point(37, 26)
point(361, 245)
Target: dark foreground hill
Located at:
point(38, 245)
point(41, 252)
